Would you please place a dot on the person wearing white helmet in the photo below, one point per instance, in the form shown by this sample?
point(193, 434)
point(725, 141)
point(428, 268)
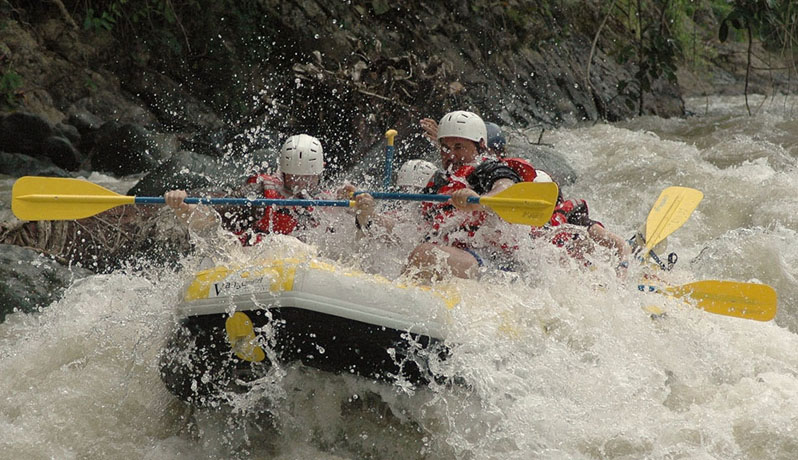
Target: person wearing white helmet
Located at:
point(301, 162)
point(414, 175)
point(495, 139)
point(570, 212)
point(301, 165)
point(469, 170)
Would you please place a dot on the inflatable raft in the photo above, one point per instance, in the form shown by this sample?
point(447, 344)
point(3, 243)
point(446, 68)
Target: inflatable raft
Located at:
point(234, 323)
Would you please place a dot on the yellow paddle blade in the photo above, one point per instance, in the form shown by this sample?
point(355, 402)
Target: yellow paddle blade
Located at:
point(241, 336)
point(55, 198)
point(671, 211)
point(527, 203)
point(741, 300)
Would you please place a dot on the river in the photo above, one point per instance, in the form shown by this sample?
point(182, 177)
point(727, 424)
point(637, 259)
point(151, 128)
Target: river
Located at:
point(561, 362)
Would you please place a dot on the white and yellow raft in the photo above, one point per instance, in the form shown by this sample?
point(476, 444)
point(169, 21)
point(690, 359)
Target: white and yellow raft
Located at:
point(234, 323)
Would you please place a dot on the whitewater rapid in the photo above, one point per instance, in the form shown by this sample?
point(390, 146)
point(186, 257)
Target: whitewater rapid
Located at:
point(560, 362)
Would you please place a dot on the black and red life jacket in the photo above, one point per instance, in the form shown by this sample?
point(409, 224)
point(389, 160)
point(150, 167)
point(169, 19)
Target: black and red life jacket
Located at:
point(573, 212)
point(437, 214)
point(282, 220)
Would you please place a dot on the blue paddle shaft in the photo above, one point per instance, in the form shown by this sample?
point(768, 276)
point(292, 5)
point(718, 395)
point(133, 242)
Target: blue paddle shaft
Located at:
point(247, 201)
point(386, 181)
point(414, 197)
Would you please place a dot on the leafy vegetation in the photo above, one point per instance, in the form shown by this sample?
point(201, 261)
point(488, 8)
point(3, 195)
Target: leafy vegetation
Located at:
point(94, 23)
point(772, 21)
point(650, 45)
point(10, 83)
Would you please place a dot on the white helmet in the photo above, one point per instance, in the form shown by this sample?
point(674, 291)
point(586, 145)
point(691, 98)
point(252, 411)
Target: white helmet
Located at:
point(542, 176)
point(302, 155)
point(415, 173)
point(467, 125)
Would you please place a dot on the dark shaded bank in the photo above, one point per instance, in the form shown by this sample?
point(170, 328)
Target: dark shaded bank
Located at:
point(199, 74)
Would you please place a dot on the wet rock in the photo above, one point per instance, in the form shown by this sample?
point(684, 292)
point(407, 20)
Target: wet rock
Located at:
point(184, 170)
point(22, 132)
point(62, 153)
point(69, 132)
point(107, 105)
point(30, 281)
point(209, 142)
point(84, 121)
point(125, 149)
point(193, 171)
point(18, 165)
point(550, 160)
point(175, 107)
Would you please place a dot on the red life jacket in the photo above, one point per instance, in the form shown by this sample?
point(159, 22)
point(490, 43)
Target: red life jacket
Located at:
point(574, 212)
point(565, 210)
point(522, 167)
point(282, 220)
point(438, 213)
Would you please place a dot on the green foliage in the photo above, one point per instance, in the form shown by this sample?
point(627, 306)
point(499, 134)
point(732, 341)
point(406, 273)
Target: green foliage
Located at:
point(380, 7)
point(772, 21)
point(106, 14)
point(90, 84)
point(95, 23)
point(10, 82)
point(721, 9)
point(652, 44)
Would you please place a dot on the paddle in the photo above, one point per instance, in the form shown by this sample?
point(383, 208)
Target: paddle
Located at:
point(389, 135)
point(670, 211)
point(50, 198)
point(527, 203)
point(741, 300)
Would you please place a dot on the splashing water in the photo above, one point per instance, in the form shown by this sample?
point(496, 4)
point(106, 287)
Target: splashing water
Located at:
point(555, 362)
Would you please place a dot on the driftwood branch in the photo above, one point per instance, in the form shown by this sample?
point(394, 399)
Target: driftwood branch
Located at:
point(65, 13)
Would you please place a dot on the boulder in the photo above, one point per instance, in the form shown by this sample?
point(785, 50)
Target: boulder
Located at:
point(69, 132)
point(193, 171)
point(107, 105)
point(30, 281)
point(549, 160)
point(125, 149)
point(84, 121)
point(22, 132)
point(62, 153)
point(18, 165)
point(175, 107)
point(184, 170)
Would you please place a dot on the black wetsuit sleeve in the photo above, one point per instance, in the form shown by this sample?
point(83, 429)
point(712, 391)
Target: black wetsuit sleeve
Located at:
point(439, 179)
point(581, 216)
point(487, 173)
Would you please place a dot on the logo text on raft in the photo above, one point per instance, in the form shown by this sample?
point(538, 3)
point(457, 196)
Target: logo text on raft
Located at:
point(233, 287)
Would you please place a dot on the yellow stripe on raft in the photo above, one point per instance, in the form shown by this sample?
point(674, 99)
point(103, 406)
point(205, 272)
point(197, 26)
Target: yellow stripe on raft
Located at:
point(280, 274)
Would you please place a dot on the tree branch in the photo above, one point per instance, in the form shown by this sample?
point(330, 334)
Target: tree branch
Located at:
point(65, 13)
